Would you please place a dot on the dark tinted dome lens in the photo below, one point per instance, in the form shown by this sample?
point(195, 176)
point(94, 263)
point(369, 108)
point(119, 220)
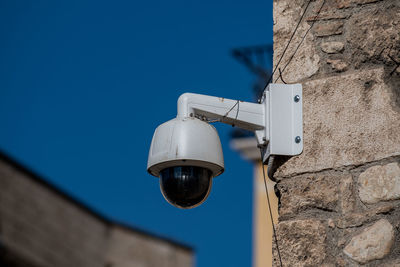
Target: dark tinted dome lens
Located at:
point(186, 186)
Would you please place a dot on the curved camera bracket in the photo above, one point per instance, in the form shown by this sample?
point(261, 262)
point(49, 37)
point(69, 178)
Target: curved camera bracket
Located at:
point(277, 121)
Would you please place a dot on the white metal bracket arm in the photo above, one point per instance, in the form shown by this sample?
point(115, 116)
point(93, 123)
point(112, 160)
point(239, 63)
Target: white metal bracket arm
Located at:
point(245, 115)
point(277, 121)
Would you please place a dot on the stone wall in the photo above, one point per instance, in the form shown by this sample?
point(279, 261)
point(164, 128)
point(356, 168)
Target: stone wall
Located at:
point(340, 199)
point(40, 226)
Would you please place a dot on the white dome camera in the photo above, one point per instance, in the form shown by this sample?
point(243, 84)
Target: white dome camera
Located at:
point(186, 152)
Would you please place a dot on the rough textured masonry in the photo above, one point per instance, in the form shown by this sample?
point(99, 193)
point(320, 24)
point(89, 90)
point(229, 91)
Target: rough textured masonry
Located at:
point(340, 199)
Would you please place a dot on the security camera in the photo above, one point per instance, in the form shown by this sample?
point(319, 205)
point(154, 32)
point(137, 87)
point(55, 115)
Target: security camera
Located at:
point(186, 152)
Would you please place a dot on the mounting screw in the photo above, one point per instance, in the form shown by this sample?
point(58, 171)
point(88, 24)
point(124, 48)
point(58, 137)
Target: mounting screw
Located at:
point(296, 98)
point(297, 139)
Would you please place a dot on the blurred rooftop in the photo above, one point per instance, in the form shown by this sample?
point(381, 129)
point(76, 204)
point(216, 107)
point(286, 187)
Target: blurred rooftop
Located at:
point(40, 225)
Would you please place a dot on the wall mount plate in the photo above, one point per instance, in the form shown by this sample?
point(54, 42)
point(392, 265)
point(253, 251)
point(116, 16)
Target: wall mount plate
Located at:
point(284, 119)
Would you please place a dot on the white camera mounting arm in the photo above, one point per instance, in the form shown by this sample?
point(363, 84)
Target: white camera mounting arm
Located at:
point(277, 121)
point(245, 115)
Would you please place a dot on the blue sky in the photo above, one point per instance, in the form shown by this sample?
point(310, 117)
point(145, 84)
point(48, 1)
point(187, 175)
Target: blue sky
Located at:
point(83, 85)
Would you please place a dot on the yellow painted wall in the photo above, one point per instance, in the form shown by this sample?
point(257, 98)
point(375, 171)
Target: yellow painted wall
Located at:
point(262, 228)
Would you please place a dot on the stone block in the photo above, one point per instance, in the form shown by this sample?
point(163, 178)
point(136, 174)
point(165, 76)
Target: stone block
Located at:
point(372, 36)
point(358, 219)
point(302, 242)
point(351, 220)
point(343, 3)
point(309, 192)
point(337, 64)
point(348, 120)
point(332, 47)
point(305, 64)
point(384, 209)
point(331, 11)
point(328, 28)
point(348, 3)
point(379, 183)
point(362, 2)
point(393, 263)
point(327, 16)
point(347, 200)
point(286, 16)
point(373, 243)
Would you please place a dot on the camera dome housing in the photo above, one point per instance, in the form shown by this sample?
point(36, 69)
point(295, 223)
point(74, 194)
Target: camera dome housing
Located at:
point(185, 154)
point(185, 186)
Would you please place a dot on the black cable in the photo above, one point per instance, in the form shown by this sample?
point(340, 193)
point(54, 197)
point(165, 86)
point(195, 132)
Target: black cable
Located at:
point(297, 48)
point(269, 205)
point(237, 112)
point(291, 38)
point(226, 114)
point(280, 76)
point(270, 169)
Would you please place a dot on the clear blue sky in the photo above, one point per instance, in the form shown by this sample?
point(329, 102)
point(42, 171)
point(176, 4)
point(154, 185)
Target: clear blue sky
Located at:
point(83, 85)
